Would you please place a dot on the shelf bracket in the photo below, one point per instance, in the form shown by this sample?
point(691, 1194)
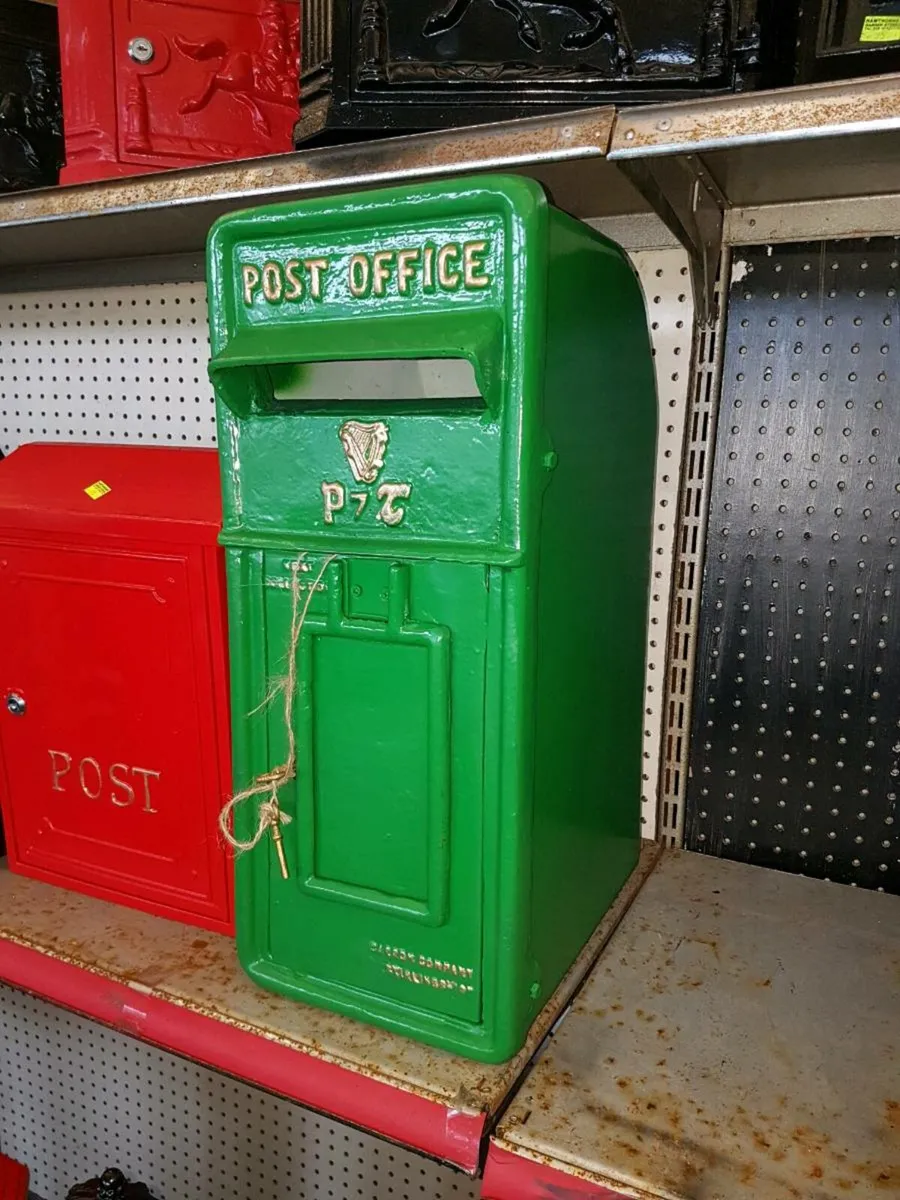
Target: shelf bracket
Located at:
point(683, 193)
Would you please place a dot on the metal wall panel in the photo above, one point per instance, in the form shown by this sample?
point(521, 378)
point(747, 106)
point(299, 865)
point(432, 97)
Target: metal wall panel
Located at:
point(795, 755)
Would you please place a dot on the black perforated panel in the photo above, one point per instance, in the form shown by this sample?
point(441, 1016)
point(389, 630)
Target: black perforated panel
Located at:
point(795, 757)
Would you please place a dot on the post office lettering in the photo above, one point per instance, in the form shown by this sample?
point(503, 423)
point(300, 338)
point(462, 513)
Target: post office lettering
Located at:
point(427, 269)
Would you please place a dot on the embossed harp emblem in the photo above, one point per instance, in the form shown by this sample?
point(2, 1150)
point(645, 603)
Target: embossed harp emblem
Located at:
point(364, 446)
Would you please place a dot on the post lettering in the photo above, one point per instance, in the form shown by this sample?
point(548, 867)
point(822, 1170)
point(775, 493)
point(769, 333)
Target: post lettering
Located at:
point(316, 268)
point(251, 280)
point(147, 776)
point(428, 269)
point(473, 266)
point(295, 283)
point(359, 275)
point(389, 493)
point(405, 269)
point(381, 270)
point(95, 767)
point(118, 782)
point(91, 777)
point(59, 771)
point(272, 282)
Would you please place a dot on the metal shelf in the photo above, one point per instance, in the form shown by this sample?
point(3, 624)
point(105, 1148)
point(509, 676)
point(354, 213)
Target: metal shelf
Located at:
point(738, 1038)
point(795, 146)
point(183, 989)
point(171, 212)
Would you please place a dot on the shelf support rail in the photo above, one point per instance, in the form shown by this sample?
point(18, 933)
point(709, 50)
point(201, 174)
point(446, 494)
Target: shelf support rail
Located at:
point(683, 192)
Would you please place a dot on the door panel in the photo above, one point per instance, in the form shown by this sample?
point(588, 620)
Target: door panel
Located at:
point(99, 765)
point(385, 894)
point(222, 81)
point(388, 851)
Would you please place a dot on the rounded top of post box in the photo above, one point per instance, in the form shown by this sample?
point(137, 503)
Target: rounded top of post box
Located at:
point(419, 199)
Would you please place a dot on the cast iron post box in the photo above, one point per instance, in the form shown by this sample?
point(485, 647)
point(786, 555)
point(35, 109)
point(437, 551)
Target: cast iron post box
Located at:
point(437, 426)
point(31, 140)
point(154, 84)
point(396, 65)
point(114, 736)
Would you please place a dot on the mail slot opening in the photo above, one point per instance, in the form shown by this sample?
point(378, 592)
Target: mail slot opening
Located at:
point(429, 382)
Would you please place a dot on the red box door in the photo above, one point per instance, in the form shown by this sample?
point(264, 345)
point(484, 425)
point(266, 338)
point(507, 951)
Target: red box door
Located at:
point(222, 82)
point(113, 776)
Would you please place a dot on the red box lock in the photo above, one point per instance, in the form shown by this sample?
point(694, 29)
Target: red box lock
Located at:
point(114, 719)
point(155, 84)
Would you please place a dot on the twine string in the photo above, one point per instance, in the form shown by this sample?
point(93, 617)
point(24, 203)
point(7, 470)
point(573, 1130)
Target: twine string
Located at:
point(269, 783)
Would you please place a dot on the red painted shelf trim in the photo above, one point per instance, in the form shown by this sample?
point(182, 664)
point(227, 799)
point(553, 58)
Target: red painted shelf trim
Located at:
point(414, 1121)
point(509, 1176)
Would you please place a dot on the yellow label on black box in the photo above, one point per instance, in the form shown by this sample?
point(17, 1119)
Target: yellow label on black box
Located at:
point(880, 29)
point(98, 489)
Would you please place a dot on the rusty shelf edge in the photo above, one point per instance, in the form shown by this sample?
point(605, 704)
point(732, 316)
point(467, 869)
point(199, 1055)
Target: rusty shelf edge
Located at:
point(585, 133)
point(819, 110)
point(454, 1136)
point(424, 1113)
point(511, 1173)
point(751, 979)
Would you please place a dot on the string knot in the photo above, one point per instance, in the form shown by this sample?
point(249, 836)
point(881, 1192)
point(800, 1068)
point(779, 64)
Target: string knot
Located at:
point(271, 813)
point(269, 783)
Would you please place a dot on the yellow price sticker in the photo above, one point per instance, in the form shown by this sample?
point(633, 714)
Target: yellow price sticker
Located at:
point(880, 29)
point(98, 489)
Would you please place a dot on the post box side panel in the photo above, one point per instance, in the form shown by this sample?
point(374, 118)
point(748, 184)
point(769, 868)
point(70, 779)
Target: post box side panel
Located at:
point(511, 971)
point(595, 544)
point(112, 777)
point(381, 916)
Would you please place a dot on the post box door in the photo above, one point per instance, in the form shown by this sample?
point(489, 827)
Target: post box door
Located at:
point(205, 79)
point(385, 842)
point(114, 736)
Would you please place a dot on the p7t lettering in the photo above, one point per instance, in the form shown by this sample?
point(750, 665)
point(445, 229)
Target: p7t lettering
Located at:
point(334, 498)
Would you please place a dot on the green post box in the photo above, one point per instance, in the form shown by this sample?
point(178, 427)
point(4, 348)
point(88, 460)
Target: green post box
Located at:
point(437, 424)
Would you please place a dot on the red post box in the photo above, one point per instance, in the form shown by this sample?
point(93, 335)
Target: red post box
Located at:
point(114, 729)
point(155, 84)
point(13, 1179)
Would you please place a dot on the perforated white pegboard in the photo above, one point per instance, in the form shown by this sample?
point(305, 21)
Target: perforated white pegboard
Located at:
point(129, 363)
point(76, 1097)
point(109, 364)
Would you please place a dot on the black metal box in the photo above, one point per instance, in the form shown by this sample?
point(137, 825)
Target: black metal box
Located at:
point(402, 65)
point(844, 38)
point(30, 99)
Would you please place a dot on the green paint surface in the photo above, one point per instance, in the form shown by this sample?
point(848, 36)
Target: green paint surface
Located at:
point(469, 708)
